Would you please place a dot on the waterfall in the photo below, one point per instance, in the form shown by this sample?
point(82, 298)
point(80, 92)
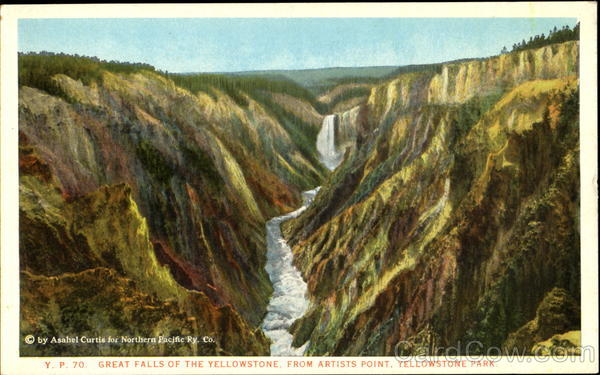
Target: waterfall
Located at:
point(329, 156)
point(288, 301)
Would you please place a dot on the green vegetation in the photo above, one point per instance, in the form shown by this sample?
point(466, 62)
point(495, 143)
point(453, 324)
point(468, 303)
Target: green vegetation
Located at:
point(237, 86)
point(378, 79)
point(355, 92)
point(316, 80)
point(154, 162)
point(469, 113)
point(260, 89)
point(465, 116)
point(356, 80)
point(37, 69)
point(207, 83)
point(554, 36)
point(301, 133)
point(426, 68)
point(202, 163)
point(544, 228)
point(391, 72)
point(436, 68)
point(375, 178)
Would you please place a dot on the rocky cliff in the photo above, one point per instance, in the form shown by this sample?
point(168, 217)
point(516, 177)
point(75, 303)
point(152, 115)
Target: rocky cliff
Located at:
point(142, 210)
point(454, 213)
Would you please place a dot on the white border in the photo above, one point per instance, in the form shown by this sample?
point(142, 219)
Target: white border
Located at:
point(584, 11)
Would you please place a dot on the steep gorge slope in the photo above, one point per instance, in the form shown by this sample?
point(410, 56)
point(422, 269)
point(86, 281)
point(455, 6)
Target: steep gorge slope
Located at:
point(454, 215)
point(142, 199)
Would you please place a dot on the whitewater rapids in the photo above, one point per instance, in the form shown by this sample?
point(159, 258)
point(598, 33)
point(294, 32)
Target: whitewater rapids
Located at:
point(288, 301)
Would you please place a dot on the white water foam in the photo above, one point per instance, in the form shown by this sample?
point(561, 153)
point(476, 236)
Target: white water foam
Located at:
point(329, 156)
point(288, 301)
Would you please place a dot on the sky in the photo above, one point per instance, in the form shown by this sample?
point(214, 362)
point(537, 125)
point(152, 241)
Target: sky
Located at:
point(244, 44)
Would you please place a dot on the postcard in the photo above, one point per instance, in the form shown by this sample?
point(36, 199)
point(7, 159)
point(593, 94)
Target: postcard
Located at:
point(299, 188)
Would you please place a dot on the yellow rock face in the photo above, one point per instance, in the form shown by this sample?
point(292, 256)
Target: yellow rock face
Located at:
point(459, 82)
point(568, 343)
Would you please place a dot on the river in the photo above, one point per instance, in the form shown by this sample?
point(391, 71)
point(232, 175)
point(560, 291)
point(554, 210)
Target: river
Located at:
point(289, 301)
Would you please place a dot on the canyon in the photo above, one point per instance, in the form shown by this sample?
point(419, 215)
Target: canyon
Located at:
point(447, 213)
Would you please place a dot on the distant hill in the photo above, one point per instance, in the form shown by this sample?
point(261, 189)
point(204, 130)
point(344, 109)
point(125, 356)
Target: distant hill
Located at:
point(319, 80)
point(316, 78)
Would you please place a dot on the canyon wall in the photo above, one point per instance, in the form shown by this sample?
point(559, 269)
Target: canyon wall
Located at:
point(148, 204)
point(454, 214)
